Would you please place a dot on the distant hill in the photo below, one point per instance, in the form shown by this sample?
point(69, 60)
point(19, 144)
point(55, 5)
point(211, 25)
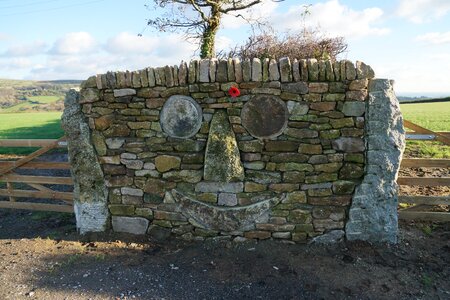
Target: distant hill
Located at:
point(29, 95)
point(421, 99)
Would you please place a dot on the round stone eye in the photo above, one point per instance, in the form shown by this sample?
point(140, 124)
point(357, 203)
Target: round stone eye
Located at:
point(181, 117)
point(265, 116)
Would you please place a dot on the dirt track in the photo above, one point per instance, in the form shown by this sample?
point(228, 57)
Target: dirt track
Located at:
point(42, 257)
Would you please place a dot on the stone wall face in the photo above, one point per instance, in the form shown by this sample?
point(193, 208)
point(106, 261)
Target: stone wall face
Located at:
point(181, 157)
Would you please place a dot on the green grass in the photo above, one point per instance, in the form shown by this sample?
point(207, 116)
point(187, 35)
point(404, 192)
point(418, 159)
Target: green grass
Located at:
point(44, 99)
point(30, 103)
point(434, 116)
point(45, 125)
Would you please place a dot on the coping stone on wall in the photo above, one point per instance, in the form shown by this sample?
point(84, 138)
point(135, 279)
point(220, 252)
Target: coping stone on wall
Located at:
point(90, 192)
point(373, 213)
point(234, 70)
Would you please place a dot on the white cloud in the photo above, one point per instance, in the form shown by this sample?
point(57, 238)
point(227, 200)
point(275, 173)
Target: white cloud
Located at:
point(260, 12)
point(15, 63)
point(125, 42)
point(74, 43)
point(419, 11)
point(335, 19)
point(429, 74)
point(436, 38)
point(123, 51)
point(4, 36)
point(28, 49)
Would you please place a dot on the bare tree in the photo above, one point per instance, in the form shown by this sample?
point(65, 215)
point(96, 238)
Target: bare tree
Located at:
point(199, 18)
point(307, 44)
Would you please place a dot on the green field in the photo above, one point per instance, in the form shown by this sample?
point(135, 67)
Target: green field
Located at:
point(43, 99)
point(45, 125)
point(433, 116)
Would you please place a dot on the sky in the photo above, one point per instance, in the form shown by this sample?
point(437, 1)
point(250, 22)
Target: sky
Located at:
point(404, 40)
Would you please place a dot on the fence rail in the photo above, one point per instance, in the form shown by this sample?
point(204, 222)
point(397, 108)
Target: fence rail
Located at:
point(8, 176)
point(413, 212)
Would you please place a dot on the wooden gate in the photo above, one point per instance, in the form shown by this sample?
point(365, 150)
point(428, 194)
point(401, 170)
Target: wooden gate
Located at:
point(11, 178)
point(414, 213)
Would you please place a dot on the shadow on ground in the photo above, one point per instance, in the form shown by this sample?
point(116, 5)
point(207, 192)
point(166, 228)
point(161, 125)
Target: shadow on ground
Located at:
point(52, 262)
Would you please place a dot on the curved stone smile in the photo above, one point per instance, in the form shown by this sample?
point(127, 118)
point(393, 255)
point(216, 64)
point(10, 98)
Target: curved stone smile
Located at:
point(238, 218)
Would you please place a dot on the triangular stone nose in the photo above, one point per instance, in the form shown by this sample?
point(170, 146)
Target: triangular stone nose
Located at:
point(222, 159)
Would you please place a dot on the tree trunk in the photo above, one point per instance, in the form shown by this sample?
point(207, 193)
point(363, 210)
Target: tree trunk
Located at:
point(207, 48)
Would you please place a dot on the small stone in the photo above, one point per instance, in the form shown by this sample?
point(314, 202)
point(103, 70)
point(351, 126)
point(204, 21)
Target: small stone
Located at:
point(310, 149)
point(358, 84)
point(164, 163)
point(330, 134)
point(323, 106)
point(204, 70)
point(125, 210)
point(263, 177)
point(289, 157)
point(350, 70)
point(351, 171)
point(291, 166)
point(255, 165)
point(117, 130)
point(364, 71)
point(354, 108)
point(293, 176)
point(251, 187)
point(313, 69)
point(343, 187)
point(237, 69)
point(283, 187)
point(214, 187)
point(256, 70)
point(340, 123)
point(356, 95)
point(124, 92)
point(261, 235)
point(103, 122)
point(285, 69)
point(301, 133)
point(274, 72)
point(318, 87)
point(349, 144)
point(191, 176)
point(227, 199)
point(99, 143)
point(132, 164)
point(115, 160)
point(251, 146)
point(328, 168)
point(131, 191)
point(323, 177)
point(281, 235)
point(281, 146)
point(295, 88)
point(246, 70)
point(296, 108)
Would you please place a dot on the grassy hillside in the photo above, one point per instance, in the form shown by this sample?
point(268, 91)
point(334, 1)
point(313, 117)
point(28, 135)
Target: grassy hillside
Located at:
point(434, 116)
point(27, 95)
point(36, 103)
point(29, 126)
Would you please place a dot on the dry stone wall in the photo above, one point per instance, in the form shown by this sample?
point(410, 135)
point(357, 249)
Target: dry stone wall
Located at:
point(181, 157)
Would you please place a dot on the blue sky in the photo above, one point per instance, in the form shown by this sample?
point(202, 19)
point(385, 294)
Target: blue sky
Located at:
point(404, 40)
